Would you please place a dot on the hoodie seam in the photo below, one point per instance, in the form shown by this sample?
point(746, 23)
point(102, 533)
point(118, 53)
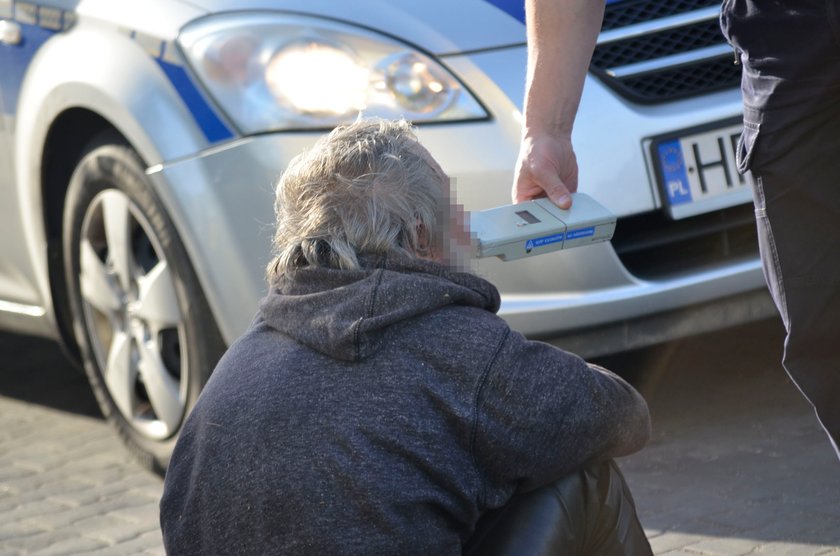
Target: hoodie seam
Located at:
point(369, 305)
point(476, 402)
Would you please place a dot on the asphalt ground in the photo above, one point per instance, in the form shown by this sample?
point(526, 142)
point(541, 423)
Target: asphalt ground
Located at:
point(737, 463)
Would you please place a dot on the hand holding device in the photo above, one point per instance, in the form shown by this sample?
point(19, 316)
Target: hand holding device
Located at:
point(535, 227)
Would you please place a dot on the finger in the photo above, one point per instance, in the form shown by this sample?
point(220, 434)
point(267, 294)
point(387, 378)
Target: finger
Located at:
point(526, 190)
point(557, 191)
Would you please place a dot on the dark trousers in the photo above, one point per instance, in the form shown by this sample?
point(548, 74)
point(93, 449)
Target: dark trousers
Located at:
point(790, 53)
point(797, 202)
point(589, 512)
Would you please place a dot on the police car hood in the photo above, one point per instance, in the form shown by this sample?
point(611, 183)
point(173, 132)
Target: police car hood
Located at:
point(436, 26)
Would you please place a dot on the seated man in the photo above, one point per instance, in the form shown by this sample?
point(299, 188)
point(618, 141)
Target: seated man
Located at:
point(378, 405)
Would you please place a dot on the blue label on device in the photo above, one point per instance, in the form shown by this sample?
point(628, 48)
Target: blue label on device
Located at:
point(583, 232)
point(541, 241)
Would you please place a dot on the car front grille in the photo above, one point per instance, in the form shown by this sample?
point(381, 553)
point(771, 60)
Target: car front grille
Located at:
point(661, 50)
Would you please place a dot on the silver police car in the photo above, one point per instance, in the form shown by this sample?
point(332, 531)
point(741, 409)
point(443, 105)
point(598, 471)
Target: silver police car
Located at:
point(140, 142)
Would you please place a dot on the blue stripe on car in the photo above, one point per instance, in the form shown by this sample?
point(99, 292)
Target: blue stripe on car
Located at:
point(516, 8)
point(15, 59)
point(213, 127)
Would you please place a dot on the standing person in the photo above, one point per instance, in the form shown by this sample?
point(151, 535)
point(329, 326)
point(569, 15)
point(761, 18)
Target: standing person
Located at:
point(378, 405)
point(790, 52)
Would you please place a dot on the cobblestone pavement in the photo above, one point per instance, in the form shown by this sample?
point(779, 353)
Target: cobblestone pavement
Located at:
point(67, 486)
point(737, 464)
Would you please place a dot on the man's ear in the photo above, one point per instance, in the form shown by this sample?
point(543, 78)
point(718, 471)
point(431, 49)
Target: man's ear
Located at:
point(425, 246)
point(423, 242)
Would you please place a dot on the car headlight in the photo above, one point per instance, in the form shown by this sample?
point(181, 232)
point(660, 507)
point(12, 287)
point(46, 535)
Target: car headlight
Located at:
point(271, 72)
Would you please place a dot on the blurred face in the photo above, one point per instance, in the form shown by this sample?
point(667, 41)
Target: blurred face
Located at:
point(454, 246)
point(458, 241)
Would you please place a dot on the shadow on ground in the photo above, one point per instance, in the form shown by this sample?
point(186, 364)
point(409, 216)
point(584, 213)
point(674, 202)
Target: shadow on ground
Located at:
point(35, 370)
point(737, 462)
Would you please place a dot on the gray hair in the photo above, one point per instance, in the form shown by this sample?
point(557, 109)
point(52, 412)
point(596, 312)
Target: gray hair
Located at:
point(366, 188)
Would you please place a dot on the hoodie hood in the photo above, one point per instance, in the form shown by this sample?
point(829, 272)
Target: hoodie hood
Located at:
point(345, 314)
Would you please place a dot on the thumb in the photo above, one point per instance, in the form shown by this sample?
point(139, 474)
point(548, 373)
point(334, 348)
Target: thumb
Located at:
point(556, 190)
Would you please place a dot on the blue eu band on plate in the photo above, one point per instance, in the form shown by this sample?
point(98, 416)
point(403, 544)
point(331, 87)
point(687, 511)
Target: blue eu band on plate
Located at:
point(697, 173)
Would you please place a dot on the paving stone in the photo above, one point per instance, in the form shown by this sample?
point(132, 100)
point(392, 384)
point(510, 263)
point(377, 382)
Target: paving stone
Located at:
point(42, 540)
point(11, 499)
point(793, 549)
point(113, 530)
point(142, 513)
point(12, 474)
point(96, 493)
point(11, 530)
point(39, 508)
point(674, 540)
point(726, 546)
point(68, 519)
point(70, 547)
point(148, 544)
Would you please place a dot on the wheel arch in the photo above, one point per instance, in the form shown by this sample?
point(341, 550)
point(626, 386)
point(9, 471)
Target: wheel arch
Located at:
point(66, 142)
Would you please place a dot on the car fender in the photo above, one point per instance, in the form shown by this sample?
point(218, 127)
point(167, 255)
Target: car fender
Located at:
point(110, 73)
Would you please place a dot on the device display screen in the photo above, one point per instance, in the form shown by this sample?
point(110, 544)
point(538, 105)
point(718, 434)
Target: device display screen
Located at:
point(527, 217)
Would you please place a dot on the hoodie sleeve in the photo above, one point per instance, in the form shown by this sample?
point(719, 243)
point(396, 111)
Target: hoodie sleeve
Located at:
point(542, 412)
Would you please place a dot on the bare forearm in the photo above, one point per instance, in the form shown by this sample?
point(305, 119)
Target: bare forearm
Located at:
point(561, 38)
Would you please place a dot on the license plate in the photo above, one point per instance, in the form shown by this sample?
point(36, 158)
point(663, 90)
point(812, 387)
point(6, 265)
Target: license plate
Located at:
point(697, 173)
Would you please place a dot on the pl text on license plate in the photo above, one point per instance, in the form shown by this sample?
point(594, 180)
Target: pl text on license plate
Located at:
point(697, 172)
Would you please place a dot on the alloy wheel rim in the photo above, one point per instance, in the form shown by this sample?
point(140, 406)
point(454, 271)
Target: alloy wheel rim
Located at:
point(132, 315)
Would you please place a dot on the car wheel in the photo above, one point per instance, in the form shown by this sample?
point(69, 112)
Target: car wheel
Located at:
point(145, 331)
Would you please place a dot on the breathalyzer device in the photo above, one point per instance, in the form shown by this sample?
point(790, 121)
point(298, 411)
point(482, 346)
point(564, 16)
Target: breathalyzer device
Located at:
point(536, 227)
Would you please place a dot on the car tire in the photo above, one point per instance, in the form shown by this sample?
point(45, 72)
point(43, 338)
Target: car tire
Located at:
point(145, 331)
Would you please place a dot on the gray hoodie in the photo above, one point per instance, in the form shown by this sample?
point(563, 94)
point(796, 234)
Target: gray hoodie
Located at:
point(381, 411)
